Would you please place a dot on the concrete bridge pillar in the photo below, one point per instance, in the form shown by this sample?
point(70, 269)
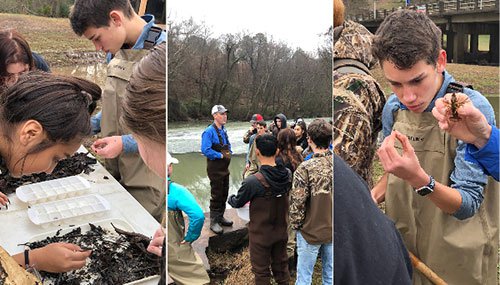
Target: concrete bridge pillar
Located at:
point(450, 39)
point(459, 46)
point(474, 45)
point(494, 46)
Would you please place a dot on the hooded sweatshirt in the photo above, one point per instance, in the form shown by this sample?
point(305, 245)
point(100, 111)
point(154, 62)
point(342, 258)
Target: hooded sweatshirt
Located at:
point(276, 130)
point(278, 177)
point(269, 206)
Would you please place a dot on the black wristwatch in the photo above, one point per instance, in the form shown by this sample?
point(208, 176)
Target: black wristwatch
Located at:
point(427, 189)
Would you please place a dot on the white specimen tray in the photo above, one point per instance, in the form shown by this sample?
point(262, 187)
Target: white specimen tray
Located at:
point(244, 212)
point(105, 224)
point(55, 189)
point(56, 211)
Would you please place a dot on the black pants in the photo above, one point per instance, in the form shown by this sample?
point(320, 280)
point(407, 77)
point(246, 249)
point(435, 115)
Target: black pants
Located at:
point(218, 173)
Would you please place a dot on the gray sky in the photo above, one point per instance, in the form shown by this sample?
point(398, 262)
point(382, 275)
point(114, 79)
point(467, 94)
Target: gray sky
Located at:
point(297, 23)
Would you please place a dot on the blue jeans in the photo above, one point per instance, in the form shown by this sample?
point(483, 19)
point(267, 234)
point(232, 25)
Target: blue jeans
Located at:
point(307, 255)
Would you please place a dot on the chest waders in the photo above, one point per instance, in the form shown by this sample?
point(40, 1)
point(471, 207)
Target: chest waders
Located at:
point(267, 231)
point(185, 267)
point(128, 168)
point(218, 173)
point(254, 161)
point(462, 252)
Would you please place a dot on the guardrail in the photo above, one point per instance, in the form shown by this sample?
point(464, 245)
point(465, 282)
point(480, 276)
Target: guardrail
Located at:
point(440, 8)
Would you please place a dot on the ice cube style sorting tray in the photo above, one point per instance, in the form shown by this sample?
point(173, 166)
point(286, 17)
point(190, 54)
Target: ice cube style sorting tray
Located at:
point(57, 211)
point(53, 189)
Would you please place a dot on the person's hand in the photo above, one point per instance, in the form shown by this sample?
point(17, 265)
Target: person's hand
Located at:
point(247, 166)
point(108, 147)
point(3, 199)
point(58, 257)
point(471, 128)
point(405, 166)
point(156, 244)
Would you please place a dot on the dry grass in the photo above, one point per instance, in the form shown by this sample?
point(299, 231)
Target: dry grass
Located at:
point(235, 269)
point(53, 38)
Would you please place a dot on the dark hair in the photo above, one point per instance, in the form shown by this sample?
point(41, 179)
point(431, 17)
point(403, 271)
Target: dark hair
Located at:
point(144, 102)
point(303, 126)
point(261, 123)
point(95, 13)
point(266, 144)
point(59, 103)
point(320, 132)
point(406, 37)
point(13, 49)
point(286, 145)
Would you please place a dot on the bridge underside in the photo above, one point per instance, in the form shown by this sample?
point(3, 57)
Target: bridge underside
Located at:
point(461, 36)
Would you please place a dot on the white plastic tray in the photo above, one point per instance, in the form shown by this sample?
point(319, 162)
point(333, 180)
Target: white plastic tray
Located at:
point(57, 211)
point(105, 224)
point(53, 189)
point(244, 212)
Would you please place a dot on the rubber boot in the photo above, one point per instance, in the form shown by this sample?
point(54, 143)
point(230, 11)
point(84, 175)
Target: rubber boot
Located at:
point(214, 223)
point(225, 222)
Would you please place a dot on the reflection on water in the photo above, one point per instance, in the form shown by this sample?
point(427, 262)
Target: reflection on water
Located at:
point(94, 72)
point(191, 172)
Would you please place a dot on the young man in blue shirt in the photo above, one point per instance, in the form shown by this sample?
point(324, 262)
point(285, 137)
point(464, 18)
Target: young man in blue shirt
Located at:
point(443, 205)
point(115, 28)
point(216, 147)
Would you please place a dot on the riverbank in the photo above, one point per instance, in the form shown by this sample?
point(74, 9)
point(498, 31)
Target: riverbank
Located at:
point(53, 38)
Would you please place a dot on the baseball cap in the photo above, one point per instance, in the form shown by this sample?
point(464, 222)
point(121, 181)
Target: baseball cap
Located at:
point(218, 109)
point(171, 159)
point(256, 118)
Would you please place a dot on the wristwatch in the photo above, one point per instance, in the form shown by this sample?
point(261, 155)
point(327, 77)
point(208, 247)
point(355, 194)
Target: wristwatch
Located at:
point(427, 189)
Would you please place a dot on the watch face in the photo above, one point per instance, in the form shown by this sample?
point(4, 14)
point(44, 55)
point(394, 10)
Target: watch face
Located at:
point(424, 191)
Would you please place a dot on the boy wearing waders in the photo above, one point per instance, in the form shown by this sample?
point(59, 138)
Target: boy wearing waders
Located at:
point(442, 204)
point(311, 206)
point(267, 230)
point(115, 28)
point(216, 147)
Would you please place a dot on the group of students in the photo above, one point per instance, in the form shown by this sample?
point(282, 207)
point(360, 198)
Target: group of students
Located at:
point(45, 117)
point(291, 197)
point(440, 205)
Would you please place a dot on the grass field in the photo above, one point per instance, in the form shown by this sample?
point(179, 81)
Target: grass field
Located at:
point(485, 79)
point(53, 38)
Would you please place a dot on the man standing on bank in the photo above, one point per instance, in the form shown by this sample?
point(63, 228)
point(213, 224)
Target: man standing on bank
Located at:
point(216, 147)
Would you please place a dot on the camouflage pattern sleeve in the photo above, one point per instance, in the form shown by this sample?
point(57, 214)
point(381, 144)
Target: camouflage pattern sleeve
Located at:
point(298, 197)
point(246, 136)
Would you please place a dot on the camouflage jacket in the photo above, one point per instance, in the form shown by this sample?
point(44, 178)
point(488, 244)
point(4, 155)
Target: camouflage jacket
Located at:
point(311, 199)
point(358, 102)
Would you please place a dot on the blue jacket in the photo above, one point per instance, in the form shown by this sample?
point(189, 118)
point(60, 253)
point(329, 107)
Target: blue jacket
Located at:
point(180, 199)
point(209, 137)
point(129, 144)
point(487, 157)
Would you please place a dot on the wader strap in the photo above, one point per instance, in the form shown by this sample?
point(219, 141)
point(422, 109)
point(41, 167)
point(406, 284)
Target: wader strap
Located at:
point(262, 180)
point(219, 135)
point(153, 35)
point(345, 65)
point(264, 183)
